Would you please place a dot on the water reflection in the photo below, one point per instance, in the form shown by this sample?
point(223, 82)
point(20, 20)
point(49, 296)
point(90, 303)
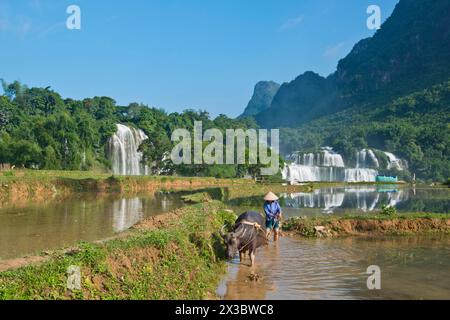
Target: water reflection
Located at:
point(36, 227)
point(355, 199)
point(332, 200)
point(412, 268)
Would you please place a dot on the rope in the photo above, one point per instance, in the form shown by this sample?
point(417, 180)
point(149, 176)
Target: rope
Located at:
point(255, 226)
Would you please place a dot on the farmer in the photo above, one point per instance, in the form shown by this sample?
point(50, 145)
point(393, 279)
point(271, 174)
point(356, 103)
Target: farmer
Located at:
point(272, 210)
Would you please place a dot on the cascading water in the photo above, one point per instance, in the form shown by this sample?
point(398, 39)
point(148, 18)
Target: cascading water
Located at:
point(123, 151)
point(328, 165)
point(360, 175)
point(394, 162)
point(308, 159)
point(332, 159)
point(361, 159)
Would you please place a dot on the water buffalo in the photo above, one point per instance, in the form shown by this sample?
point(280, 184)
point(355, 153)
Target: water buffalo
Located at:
point(248, 234)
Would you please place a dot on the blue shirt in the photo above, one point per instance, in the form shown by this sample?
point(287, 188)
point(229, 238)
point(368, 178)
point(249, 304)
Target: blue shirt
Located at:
point(272, 210)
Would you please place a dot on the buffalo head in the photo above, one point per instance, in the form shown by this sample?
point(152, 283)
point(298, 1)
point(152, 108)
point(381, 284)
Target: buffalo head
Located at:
point(232, 240)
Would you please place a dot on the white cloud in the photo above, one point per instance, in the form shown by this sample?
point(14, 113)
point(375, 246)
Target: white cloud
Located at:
point(291, 23)
point(51, 29)
point(19, 25)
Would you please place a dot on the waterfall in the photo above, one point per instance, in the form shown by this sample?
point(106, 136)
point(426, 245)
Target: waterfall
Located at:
point(328, 165)
point(360, 175)
point(394, 162)
point(332, 159)
point(361, 159)
point(308, 159)
point(123, 151)
point(302, 173)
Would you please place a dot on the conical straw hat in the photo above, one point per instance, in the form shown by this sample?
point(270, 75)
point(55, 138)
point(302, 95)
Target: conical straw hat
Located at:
point(270, 197)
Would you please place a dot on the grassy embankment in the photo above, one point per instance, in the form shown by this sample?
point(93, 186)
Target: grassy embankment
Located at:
point(20, 185)
point(369, 225)
point(386, 222)
point(173, 256)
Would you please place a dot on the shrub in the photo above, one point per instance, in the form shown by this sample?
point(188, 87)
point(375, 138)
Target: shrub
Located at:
point(388, 210)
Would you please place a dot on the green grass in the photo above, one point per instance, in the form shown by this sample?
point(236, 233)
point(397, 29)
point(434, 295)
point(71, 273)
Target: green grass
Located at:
point(13, 175)
point(183, 260)
point(29, 184)
point(304, 226)
point(198, 197)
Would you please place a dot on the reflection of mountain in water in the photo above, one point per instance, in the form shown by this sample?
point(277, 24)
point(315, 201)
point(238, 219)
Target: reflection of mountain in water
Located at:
point(365, 199)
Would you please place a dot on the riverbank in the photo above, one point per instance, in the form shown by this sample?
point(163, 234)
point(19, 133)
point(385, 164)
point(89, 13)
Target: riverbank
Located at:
point(173, 256)
point(369, 225)
point(24, 185)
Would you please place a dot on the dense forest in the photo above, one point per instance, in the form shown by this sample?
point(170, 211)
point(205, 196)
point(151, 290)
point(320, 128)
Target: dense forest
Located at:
point(416, 127)
point(391, 92)
point(39, 129)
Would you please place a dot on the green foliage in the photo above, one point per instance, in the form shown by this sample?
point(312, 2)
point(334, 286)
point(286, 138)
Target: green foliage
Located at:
point(447, 183)
point(370, 99)
point(40, 130)
point(388, 210)
point(414, 127)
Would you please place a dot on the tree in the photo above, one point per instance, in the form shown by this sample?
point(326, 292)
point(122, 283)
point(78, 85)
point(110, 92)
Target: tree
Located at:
point(26, 154)
point(156, 152)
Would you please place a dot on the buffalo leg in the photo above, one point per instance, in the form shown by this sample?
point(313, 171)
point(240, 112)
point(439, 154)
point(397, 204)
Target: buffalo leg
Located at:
point(252, 258)
point(241, 256)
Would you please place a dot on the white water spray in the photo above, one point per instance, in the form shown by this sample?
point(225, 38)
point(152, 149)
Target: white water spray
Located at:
point(123, 151)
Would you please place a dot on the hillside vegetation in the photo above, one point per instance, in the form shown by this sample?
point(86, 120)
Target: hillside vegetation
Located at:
point(41, 130)
point(391, 92)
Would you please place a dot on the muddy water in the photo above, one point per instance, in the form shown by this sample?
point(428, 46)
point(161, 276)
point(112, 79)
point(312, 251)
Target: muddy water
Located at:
point(31, 228)
point(294, 268)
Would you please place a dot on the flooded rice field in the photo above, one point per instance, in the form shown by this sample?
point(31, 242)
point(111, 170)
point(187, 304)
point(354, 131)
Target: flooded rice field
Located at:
point(294, 268)
point(299, 268)
point(355, 199)
point(30, 228)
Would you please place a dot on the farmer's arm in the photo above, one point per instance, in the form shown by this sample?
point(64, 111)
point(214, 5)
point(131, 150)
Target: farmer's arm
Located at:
point(267, 209)
point(279, 212)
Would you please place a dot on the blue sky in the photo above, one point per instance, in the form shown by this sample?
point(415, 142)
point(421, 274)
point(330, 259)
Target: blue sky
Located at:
point(177, 54)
